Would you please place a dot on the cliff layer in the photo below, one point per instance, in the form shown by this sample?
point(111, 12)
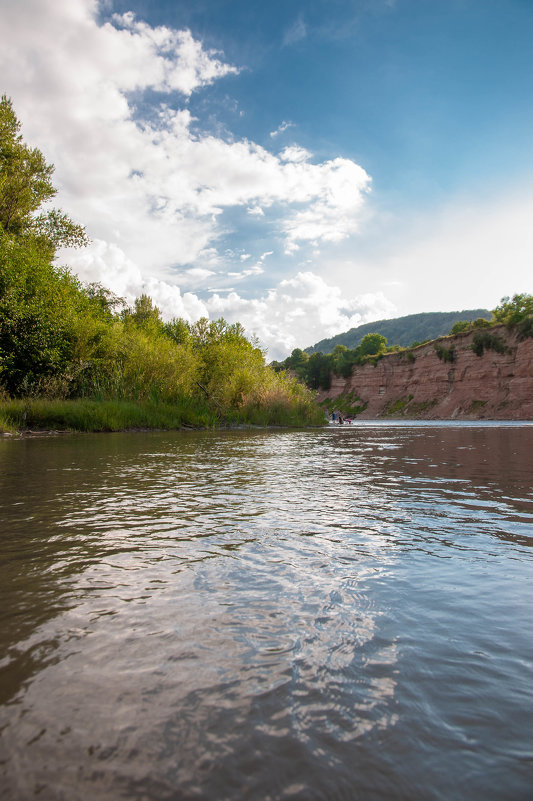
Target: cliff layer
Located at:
point(458, 385)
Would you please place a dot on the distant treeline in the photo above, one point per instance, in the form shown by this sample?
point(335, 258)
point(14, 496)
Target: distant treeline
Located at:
point(316, 369)
point(60, 339)
point(405, 331)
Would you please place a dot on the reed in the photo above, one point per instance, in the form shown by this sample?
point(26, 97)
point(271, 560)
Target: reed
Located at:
point(112, 415)
point(107, 415)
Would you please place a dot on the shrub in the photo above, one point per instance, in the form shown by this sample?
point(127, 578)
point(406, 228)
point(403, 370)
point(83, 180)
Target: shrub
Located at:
point(445, 354)
point(486, 341)
point(459, 327)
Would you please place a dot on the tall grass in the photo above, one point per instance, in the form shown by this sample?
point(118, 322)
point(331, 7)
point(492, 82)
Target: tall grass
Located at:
point(107, 415)
point(84, 414)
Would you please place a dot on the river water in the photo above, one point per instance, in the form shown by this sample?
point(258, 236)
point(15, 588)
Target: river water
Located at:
point(325, 614)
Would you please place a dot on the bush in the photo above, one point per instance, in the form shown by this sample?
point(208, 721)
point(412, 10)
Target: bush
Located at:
point(445, 354)
point(525, 327)
point(512, 310)
point(459, 327)
point(486, 341)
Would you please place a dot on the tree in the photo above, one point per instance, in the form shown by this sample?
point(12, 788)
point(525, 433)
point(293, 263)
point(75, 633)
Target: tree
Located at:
point(145, 314)
point(515, 310)
point(372, 344)
point(178, 330)
point(25, 185)
point(39, 303)
point(460, 326)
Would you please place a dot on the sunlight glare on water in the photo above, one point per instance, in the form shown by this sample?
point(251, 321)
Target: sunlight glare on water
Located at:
point(329, 614)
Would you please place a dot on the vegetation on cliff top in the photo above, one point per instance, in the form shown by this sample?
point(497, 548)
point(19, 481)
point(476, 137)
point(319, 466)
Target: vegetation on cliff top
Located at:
point(402, 331)
point(315, 370)
point(65, 345)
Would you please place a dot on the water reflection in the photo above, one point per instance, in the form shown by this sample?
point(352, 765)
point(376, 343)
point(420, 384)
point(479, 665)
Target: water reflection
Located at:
point(327, 614)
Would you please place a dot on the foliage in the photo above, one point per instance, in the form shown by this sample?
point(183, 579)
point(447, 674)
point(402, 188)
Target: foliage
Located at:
point(516, 312)
point(486, 341)
point(445, 354)
point(315, 370)
point(371, 344)
point(460, 326)
point(397, 407)
point(463, 326)
point(61, 340)
point(347, 403)
point(404, 331)
point(25, 185)
point(112, 415)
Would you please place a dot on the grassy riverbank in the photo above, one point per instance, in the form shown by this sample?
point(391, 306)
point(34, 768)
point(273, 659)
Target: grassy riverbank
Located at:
point(110, 415)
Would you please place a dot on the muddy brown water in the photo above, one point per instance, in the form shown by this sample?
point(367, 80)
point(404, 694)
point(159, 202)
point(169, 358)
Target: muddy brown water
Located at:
point(330, 614)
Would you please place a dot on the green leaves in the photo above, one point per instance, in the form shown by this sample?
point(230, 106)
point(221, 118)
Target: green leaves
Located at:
point(25, 185)
point(515, 310)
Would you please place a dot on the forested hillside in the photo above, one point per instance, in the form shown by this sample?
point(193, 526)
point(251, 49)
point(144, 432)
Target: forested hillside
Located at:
point(403, 331)
point(63, 341)
point(317, 368)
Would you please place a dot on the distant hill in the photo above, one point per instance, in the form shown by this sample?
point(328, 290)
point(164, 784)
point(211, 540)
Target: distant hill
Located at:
point(401, 330)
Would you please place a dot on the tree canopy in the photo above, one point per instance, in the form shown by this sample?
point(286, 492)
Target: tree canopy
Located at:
point(25, 185)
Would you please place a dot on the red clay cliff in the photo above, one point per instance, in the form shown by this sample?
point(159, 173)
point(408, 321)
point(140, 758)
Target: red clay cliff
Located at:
point(494, 386)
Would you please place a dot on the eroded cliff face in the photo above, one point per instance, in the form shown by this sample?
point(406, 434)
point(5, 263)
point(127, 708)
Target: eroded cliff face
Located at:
point(495, 385)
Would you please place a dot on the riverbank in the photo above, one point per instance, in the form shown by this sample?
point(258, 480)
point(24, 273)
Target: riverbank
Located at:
point(38, 415)
point(470, 376)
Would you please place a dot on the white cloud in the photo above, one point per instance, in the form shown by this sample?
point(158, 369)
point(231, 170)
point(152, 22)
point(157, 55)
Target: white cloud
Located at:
point(152, 190)
point(109, 265)
point(299, 312)
point(295, 153)
point(255, 270)
point(282, 127)
point(140, 182)
point(176, 61)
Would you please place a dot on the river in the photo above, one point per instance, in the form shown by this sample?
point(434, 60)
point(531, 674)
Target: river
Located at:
point(318, 615)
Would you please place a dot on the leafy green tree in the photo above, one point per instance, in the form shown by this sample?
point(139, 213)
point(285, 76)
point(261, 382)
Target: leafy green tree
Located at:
point(25, 185)
point(145, 314)
point(39, 303)
point(460, 326)
point(179, 330)
point(104, 300)
point(343, 360)
point(513, 311)
point(319, 371)
point(298, 362)
point(372, 344)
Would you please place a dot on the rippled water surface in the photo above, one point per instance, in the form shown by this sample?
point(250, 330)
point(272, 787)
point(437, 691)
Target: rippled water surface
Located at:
point(330, 614)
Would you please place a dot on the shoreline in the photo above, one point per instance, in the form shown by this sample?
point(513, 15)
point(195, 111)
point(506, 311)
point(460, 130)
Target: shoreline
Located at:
point(38, 433)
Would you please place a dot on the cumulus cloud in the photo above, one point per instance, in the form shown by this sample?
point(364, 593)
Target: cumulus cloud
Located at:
point(176, 60)
point(295, 153)
point(300, 311)
point(157, 186)
point(152, 186)
point(107, 264)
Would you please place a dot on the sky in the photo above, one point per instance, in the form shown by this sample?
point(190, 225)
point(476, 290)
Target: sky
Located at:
point(302, 166)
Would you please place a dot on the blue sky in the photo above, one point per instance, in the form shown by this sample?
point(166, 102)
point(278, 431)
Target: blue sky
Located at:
point(299, 166)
